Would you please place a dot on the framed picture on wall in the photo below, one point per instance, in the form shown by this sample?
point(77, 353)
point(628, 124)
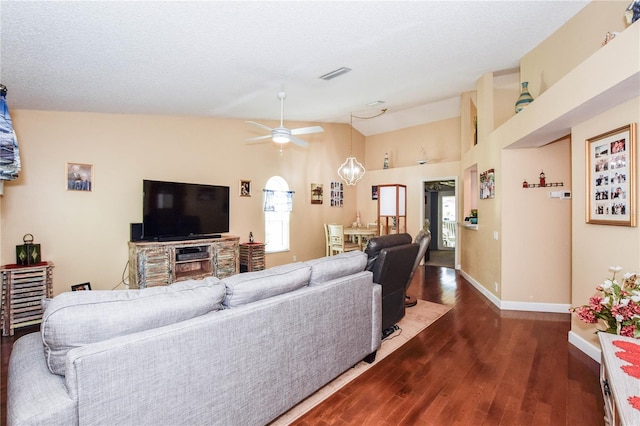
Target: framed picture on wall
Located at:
point(487, 184)
point(374, 192)
point(245, 188)
point(611, 177)
point(79, 177)
point(337, 194)
point(316, 193)
point(81, 287)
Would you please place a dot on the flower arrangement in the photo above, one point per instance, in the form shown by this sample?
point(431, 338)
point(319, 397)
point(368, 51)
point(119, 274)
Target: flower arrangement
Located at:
point(618, 306)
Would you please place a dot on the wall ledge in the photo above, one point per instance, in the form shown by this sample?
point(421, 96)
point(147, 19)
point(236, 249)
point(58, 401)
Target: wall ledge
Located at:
point(587, 347)
point(609, 77)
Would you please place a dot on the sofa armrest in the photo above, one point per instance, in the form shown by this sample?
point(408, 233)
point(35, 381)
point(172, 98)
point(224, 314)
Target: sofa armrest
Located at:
point(35, 396)
point(376, 318)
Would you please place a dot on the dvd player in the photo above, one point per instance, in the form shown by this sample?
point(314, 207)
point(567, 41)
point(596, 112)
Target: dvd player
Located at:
point(192, 256)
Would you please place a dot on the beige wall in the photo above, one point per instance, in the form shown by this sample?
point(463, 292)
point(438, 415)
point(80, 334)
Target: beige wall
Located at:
point(436, 142)
point(536, 237)
point(85, 233)
point(514, 261)
point(597, 247)
point(571, 44)
point(412, 177)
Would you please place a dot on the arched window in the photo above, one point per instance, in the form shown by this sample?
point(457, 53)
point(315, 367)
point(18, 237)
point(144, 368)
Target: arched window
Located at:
point(277, 208)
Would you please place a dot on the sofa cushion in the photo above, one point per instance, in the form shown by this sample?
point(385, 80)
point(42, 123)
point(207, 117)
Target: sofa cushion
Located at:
point(74, 319)
point(251, 286)
point(331, 267)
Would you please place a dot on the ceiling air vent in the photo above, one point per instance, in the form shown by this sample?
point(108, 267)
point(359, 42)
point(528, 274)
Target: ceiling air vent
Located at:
point(335, 73)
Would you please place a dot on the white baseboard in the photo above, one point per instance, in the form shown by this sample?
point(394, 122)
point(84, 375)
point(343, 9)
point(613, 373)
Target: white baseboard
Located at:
point(560, 308)
point(486, 293)
point(585, 346)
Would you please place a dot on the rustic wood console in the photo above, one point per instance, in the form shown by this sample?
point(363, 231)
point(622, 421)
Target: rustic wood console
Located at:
point(162, 263)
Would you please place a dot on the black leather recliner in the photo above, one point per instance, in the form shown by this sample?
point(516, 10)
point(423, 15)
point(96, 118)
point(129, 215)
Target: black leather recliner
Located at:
point(423, 239)
point(391, 259)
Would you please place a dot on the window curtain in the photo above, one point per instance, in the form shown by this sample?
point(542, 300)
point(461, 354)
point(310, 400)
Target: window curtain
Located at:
point(278, 201)
point(9, 153)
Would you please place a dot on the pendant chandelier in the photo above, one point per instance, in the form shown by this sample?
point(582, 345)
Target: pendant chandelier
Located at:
point(351, 171)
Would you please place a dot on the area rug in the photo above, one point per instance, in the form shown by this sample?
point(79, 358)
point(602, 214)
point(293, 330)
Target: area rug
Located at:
point(416, 319)
point(443, 258)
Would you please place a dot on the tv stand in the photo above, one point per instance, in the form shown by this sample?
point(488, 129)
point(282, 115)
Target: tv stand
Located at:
point(154, 263)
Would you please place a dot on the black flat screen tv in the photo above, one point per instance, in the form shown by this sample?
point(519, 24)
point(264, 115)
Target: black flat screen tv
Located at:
point(174, 211)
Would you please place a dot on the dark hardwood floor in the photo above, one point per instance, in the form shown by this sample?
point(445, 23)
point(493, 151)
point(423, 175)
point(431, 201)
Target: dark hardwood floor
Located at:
point(474, 366)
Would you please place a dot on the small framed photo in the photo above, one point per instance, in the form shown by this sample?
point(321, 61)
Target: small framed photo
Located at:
point(79, 177)
point(611, 177)
point(374, 192)
point(316, 193)
point(245, 188)
point(487, 184)
point(81, 287)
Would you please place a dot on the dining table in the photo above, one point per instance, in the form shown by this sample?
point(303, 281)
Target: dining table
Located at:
point(360, 234)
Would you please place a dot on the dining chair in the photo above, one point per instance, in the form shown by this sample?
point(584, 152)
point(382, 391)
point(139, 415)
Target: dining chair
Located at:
point(337, 242)
point(365, 238)
point(327, 241)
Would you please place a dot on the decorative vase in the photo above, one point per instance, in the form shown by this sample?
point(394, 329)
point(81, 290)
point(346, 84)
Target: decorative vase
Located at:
point(525, 97)
point(386, 161)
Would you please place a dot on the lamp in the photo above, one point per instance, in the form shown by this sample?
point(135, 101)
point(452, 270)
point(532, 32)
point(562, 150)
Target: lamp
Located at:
point(351, 171)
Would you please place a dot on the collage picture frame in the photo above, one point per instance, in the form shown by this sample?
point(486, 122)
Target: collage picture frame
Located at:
point(611, 177)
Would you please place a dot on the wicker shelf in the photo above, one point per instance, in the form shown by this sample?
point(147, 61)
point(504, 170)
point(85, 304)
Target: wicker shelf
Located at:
point(23, 288)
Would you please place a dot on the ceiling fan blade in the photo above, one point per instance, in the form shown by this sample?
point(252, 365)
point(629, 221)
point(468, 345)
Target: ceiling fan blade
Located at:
point(299, 142)
point(262, 126)
point(258, 138)
point(307, 130)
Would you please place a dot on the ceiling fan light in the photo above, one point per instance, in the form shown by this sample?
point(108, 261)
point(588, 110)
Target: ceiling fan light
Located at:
point(351, 171)
point(281, 135)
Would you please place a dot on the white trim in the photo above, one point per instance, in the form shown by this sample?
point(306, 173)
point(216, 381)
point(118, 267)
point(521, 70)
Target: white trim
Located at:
point(486, 293)
point(559, 308)
point(456, 193)
point(585, 346)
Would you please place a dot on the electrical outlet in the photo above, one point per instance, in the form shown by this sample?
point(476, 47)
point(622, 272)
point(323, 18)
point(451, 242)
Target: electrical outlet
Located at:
point(495, 286)
point(495, 235)
point(295, 258)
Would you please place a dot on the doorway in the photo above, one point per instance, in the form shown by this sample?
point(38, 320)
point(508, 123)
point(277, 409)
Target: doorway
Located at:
point(440, 209)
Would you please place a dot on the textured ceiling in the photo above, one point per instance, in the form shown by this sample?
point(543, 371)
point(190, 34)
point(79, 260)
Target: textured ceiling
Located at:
point(230, 59)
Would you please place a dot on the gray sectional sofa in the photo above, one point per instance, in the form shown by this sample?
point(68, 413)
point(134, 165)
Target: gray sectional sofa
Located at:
point(241, 351)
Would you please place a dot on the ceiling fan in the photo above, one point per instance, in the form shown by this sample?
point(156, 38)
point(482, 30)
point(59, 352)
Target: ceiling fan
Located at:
point(281, 134)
